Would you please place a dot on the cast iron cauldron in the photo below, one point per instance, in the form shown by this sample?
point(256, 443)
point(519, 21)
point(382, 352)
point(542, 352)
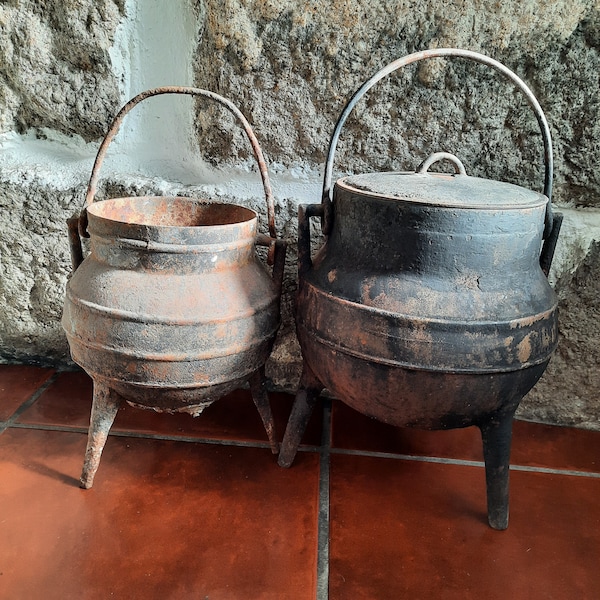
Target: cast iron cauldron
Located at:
point(171, 309)
point(427, 306)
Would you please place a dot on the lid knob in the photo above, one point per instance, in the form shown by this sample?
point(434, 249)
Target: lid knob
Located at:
point(459, 168)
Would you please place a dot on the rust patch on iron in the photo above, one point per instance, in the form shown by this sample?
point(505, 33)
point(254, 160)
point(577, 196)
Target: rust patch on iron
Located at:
point(524, 349)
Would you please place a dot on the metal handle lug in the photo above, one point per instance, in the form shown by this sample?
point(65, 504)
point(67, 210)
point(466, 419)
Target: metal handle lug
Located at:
point(305, 211)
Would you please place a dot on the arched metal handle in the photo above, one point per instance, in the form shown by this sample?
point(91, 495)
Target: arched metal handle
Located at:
point(327, 198)
point(118, 120)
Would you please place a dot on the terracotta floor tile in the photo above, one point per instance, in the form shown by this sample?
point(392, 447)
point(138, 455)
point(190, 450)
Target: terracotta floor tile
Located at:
point(164, 520)
point(169, 519)
point(402, 529)
point(234, 417)
point(66, 402)
point(17, 384)
point(534, 444)
point(555, 447)
point(355, 431)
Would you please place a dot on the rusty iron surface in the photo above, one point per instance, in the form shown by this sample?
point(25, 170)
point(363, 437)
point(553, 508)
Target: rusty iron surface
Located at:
point(421, 315)
point(407, 397)
point(172, 308)
point(431, 288)
point(105, 406)
point(187, 308)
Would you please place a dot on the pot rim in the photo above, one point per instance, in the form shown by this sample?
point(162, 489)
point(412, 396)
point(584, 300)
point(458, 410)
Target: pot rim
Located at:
point(101, 211)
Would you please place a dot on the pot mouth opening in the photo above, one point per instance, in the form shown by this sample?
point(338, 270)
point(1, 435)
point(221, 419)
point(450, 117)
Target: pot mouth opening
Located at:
point(171, 212)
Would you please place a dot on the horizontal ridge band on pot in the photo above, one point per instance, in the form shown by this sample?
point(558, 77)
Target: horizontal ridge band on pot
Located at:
point(193, 319)
point(403, 340)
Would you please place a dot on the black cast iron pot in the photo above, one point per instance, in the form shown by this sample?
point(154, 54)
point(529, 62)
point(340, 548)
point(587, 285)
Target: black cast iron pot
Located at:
point(428, 305)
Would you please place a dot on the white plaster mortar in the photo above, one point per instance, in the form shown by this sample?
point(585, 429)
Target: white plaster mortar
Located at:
point(63, 163)
point(153, 48)
point(580, 228)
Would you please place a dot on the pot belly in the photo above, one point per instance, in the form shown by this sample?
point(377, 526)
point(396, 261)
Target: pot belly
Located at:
point(164, 342)
point(415, 398)
point(429, 373)
point(168, 383)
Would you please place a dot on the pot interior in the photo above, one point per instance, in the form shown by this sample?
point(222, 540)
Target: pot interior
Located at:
point(165, 211)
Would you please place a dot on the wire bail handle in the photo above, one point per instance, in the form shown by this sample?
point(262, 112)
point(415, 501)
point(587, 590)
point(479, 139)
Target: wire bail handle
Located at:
point(327, 197)
point(191, 91)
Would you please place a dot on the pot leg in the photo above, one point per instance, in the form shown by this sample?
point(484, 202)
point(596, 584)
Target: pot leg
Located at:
point(497, 436)
point(306, 398)
point(104, 409)
point(261, 400)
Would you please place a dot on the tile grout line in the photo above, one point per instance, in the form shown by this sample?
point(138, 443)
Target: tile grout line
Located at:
point(256, 444)
point(29, 402)
point(408, 457)
point(323, 520)
point(155, 436)
point(549, 471)
point(461, 462)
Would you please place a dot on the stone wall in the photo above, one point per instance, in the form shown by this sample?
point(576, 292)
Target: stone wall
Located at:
point(56, 67)
point(290, 66)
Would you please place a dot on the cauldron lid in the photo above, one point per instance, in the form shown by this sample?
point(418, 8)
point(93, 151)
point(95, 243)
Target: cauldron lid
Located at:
point(457, 190)
point(441, 189)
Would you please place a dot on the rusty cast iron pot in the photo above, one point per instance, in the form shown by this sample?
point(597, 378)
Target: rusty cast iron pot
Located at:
point(172, 297)
point(172, 308)
point(427, 306)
